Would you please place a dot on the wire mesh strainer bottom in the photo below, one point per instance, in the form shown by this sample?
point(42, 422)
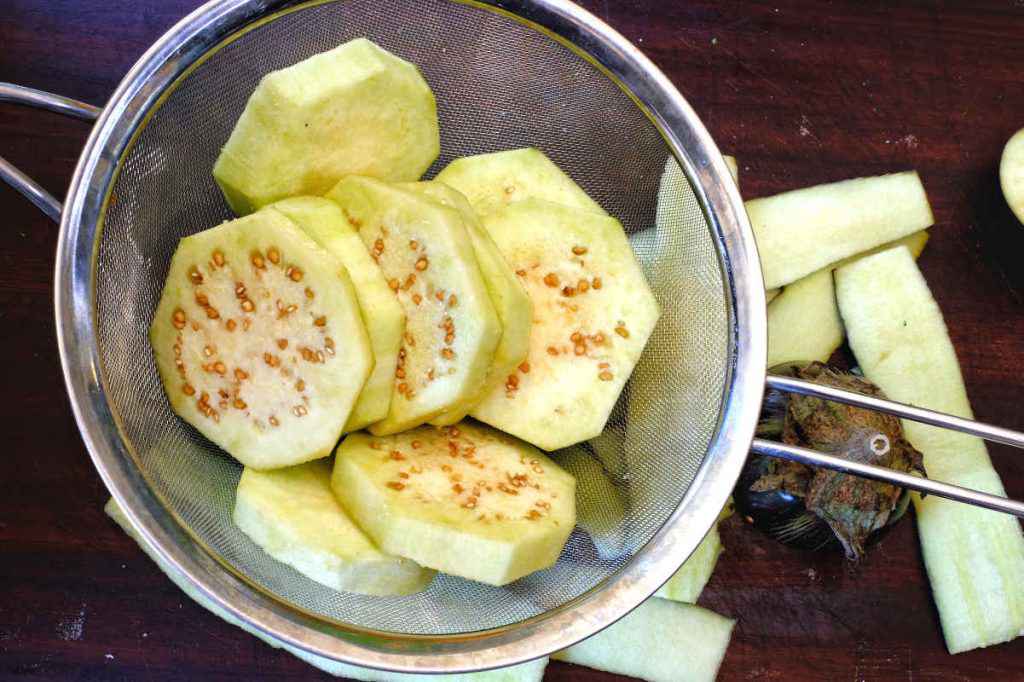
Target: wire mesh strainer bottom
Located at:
point(499, 85)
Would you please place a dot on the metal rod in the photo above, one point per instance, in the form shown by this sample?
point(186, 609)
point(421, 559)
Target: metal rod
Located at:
point(30, 189)
point(9, 174)
point(917, 414)
point(923, 485)
point(19, 94)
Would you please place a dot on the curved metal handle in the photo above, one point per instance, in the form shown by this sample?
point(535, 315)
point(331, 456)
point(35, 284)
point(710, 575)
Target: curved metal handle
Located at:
point(29, 188)
point(898, 478)
point(917, 414)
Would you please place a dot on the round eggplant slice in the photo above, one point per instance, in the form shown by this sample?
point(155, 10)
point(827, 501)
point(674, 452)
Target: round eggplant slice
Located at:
point(463, 499)
point(259, 341)
point(356, 109)
point(511, 302)
point(292, 515)
point(322, 220)
point(491, 181)
point(451, 329)
point(592, 315)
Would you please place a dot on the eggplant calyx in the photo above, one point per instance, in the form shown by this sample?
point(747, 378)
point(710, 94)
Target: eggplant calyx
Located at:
point(794, 502)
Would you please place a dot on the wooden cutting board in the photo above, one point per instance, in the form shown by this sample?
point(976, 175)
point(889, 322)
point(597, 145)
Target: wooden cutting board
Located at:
point(801, 91)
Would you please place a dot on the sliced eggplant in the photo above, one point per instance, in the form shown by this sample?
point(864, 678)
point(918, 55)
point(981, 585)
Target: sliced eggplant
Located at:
point(356, 109)
point(592, 315)
point(322, 220)
point(451, 329)
point(259, 341)
point(292, 515)
point(464, 499)
point(491, 181)
point(511, 302)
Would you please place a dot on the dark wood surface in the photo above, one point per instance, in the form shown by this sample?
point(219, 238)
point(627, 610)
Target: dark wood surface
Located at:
point(802, 91)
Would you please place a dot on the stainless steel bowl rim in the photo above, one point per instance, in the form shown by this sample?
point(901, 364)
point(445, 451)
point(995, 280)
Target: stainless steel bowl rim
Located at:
point(80, 229)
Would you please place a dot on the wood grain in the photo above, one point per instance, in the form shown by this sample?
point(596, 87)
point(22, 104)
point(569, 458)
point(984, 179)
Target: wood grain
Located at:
point(801, 91)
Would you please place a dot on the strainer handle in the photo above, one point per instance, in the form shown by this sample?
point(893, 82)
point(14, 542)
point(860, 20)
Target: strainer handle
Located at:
point(817, 459)
point(917, 414)
point(29, 188)
point(813, 458)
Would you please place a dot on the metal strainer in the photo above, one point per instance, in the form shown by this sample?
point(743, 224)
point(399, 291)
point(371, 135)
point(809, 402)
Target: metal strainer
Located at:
point(507, 73)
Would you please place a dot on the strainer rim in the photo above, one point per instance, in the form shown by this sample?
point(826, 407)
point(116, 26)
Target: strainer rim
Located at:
point(689, 141)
